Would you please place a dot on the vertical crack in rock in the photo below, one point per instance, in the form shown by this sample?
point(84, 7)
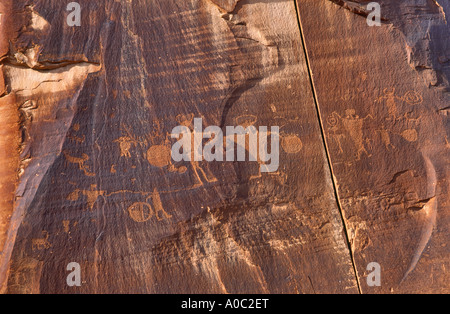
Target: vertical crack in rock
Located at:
point(328, 156)
point(424, 27)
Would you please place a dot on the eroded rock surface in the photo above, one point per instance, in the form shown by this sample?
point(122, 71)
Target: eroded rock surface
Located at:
point(87, 112)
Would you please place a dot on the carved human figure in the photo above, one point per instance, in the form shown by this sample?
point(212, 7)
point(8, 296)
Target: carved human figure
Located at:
point(353, 125)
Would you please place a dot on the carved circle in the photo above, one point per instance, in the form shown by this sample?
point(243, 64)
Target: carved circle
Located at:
point(332, 120)
point(410, 135)
point(413, 98)
point(291, 144)
point(140, 212)
point(159, 156)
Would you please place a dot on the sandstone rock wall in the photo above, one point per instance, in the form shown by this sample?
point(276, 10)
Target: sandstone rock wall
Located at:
point(86, 176)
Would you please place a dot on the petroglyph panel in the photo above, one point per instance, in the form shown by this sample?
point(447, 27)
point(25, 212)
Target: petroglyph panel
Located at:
point(386, 141)
point(111, 197)
point(86, 169)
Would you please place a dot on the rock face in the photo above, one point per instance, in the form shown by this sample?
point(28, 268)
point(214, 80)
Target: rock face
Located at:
point(86, 174)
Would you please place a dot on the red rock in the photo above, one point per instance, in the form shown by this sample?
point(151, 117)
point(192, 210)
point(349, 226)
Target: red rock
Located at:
point(85, 168)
